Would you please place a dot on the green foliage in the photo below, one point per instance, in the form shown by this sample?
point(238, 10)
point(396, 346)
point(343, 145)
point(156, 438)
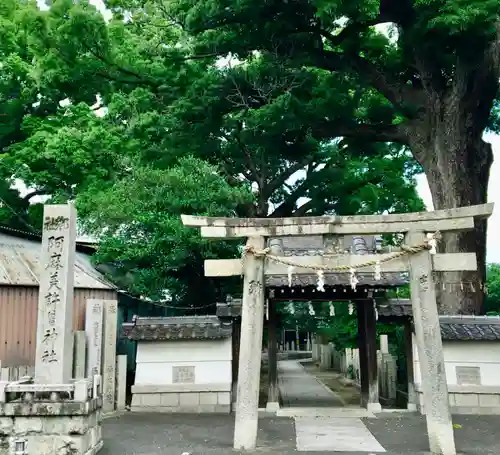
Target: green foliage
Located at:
point(143, 237)
point(16, 212)
point(161, 110)
point(492, 303)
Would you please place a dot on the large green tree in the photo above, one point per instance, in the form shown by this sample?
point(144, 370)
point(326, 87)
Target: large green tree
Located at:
point(137, 220)
point(257, 123)
point(430, 84)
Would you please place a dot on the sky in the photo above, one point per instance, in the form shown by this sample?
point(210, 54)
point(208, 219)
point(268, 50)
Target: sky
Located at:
point(493, 245)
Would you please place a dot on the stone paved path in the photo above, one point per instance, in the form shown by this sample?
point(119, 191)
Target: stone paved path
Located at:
point(300, 389)
point(322, 422)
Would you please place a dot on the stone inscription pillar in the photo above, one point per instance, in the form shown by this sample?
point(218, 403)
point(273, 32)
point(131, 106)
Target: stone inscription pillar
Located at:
point(79, 354)
point(412, 395)
point(109, 355)
point(94, 314)
point(252, 320)
point(54, 341)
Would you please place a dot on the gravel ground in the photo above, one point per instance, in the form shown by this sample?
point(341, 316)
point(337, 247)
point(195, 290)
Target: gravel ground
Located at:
point(399, 433)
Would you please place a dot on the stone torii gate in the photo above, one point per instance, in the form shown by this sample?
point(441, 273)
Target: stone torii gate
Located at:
point(417, 257)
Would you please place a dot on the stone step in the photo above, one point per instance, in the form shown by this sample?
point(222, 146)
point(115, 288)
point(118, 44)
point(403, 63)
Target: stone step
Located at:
point(325, 412)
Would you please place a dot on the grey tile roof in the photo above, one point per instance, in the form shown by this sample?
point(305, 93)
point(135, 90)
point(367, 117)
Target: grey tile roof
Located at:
point(395, 308)
point(465, 328)
point(459, 328)
point(313, 245)
point(177, 328)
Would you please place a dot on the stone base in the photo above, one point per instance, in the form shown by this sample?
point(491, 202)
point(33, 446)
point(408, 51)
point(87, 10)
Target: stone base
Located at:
point(374, 407)
point(173, 399)
point(50, 428)
point(272, 406)
point(475, 400)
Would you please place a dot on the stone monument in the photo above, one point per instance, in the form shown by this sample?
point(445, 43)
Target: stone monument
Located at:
point(94, 330)
point(54, 345)
point(53, 414)
point(109, 355)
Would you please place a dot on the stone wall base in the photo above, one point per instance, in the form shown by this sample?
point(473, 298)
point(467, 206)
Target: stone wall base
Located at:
point(476, 400)
point(49, 435)
point(182, 402)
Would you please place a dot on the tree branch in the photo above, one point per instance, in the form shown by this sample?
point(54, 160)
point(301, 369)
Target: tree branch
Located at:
point(281, 178)
point(392, 89)
point(374, 133)
point(286, 207)
point(324, 207)
point(32, 194)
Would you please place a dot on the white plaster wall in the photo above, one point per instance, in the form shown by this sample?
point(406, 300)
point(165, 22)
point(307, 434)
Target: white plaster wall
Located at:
point(211, 358)
point(482, 354)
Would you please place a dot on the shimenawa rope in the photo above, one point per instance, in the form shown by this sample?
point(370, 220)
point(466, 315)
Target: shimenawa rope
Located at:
point(405, 250)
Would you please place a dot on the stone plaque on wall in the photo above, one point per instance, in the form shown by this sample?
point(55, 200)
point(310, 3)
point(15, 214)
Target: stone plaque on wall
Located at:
point(468, 375)
point(183, 375)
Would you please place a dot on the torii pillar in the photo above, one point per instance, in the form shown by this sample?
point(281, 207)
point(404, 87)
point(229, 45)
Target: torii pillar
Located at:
point(252, 325)
point(430, 349)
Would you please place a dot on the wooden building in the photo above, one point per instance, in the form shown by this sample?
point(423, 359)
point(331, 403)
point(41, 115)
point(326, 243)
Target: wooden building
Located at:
point(19, 273)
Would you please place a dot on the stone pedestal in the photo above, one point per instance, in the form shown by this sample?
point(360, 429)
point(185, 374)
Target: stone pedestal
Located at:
point(48, 420)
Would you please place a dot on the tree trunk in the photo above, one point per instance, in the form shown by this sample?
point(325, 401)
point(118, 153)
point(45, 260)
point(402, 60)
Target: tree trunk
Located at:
point(457, 164)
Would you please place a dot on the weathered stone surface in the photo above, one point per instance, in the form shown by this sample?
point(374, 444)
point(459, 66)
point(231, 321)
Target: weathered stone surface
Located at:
point(150, 400)
point(49, 435)
point(94, 314)
point(54, 346)
point(121, 381)
point(6, 425)
point(79, 354)
point(223, 398)
point(195, 402)
point(199, 409)
point(109, 355)
point(67, 408)
point(252, 318)
point(208, 398)
point(430, 349)
point(189, 399)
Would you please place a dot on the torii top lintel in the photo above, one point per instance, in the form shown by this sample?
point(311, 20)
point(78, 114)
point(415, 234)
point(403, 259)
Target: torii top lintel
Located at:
point(457, 219)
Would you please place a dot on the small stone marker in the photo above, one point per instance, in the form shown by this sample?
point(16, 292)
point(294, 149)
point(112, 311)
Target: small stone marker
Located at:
point(94, 314)
point(109, 355)
point(54, 346)
point(79, 354)
point(384, 344)
point(121, 382)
